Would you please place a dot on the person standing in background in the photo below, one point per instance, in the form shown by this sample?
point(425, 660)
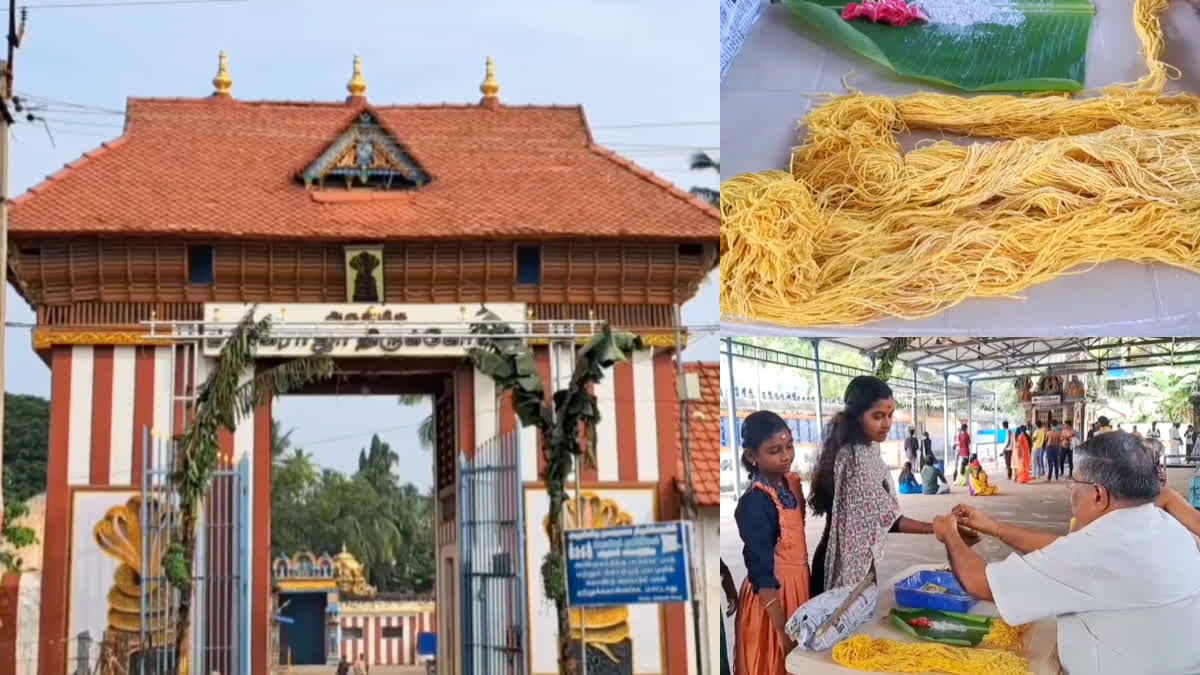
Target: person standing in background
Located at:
point(1053, 438)
point(731, 599)
point(964, 452)
point(1068, 440)
point(927, 446)
point(910, 446)
point(1174, 440)
point(1008, 450)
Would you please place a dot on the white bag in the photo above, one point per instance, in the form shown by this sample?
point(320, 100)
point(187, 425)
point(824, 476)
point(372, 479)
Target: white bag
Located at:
point(834, 615)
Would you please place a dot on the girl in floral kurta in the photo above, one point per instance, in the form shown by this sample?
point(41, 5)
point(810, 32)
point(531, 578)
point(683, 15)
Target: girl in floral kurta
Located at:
point(852, 488)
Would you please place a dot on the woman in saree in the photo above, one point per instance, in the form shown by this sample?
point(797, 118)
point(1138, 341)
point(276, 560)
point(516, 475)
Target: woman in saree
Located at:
point(852, 488)
point(1023, 457)
point(770, 520)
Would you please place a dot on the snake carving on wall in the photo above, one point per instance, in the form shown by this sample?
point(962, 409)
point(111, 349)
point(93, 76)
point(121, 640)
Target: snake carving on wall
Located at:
point(119, 534)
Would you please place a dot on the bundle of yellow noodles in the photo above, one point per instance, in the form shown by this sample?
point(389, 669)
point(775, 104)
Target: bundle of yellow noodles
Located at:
point(861, 652)
point(859, 230)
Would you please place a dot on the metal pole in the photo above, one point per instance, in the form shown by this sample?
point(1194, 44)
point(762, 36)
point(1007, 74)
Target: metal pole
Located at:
point(970, 415)
point(995, 427)
point(6, 95)
point(820, 409)
point(690, 496)
point(945, 421)
point(734, 433)
point(916, 423)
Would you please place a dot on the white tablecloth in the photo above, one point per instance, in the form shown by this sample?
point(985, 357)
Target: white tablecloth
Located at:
point(1041, 642)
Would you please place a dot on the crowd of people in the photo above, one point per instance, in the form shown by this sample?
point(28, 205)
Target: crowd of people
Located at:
point(1116, 607)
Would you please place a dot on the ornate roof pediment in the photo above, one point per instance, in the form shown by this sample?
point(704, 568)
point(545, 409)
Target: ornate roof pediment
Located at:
point(366, 155)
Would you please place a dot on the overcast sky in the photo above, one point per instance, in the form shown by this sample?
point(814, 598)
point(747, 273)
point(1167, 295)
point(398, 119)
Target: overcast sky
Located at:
point(644, 70)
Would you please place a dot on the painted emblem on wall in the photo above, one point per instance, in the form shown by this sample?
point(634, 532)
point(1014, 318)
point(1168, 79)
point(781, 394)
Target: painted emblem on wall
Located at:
point(364, 273)
point(606, 630)
point(120, 535)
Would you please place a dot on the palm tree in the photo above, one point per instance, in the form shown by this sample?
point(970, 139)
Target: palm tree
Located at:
point(223, 401)
point(426, 430)
point(700, 162)
point(280, 443)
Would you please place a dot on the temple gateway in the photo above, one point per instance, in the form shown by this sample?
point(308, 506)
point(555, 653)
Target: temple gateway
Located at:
point(373, 233)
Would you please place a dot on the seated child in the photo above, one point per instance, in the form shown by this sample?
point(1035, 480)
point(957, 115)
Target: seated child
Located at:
point(907, 483)
point(930, 477)
point(979, 482)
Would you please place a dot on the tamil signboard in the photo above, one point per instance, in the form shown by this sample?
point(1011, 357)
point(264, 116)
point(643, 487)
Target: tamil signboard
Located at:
point(1047, 399)
point(356, 329)
point(629, 565)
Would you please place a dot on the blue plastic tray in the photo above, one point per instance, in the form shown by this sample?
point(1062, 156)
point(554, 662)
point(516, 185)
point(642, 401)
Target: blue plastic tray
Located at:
point(955, 599)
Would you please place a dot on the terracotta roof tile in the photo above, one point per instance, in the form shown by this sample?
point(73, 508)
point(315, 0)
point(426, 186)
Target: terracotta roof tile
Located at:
point(222, 167)
point(704, 436)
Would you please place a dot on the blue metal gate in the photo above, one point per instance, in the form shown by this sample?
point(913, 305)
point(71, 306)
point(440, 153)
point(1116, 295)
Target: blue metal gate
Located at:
point(492, 558)
point(218, 607)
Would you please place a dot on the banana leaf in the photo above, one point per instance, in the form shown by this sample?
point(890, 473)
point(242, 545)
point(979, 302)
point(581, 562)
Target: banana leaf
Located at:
point(969, 629)
point(1043, 52)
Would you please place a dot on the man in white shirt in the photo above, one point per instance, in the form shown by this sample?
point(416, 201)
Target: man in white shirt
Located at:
point(1176, 440)
point(1124, 585)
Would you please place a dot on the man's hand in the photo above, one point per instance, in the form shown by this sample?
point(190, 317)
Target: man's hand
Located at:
point(975, 519)
point(970, 537)
point(944, 527)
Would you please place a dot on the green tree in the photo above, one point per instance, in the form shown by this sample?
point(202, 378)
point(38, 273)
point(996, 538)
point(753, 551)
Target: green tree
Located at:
point(509, 362)
point(426, 430)
point(26, 439)
point(222, 402)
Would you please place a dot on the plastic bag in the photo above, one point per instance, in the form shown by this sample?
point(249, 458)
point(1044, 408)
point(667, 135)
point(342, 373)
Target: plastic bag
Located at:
point(802, 626)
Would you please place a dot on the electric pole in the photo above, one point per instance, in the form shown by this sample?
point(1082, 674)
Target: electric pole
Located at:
point(6, 120)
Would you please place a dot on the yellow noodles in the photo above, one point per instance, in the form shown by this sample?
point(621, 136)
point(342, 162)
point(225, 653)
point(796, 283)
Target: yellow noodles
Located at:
point(888, 656)
point(1004, 636)
point(859, 230)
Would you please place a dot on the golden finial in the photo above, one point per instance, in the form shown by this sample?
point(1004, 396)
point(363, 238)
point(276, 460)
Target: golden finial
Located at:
point(357, 86)
point(490, 88)
point(529, 314)
point(223, 82)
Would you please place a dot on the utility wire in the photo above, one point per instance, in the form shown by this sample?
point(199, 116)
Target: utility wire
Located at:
point(126, 3)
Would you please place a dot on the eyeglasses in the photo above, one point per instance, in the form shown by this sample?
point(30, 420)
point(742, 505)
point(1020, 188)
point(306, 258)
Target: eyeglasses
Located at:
point(1071, 481)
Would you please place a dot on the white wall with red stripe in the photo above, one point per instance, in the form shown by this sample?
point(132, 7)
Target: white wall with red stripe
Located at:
point(385, 639)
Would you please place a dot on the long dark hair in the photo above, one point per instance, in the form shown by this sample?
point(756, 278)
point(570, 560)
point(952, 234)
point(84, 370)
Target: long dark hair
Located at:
point(845, 428)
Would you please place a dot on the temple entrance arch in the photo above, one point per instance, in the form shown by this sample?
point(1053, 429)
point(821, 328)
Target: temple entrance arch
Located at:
point(481, 464)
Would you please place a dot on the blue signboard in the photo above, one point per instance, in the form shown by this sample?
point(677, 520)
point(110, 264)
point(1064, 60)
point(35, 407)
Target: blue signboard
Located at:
point(629, 565)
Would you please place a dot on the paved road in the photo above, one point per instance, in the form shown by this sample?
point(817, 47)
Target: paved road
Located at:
point(1038, 505)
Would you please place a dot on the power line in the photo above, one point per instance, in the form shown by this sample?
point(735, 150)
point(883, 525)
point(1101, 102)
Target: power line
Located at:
point(126, 3)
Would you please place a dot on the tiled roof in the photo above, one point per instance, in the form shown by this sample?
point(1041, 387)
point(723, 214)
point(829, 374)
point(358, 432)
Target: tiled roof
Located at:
point(221, 167)
point(704, 436)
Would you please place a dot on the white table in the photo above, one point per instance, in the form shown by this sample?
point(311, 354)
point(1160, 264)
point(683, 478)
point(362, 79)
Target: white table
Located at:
point(1041, 641)
point(768, 89)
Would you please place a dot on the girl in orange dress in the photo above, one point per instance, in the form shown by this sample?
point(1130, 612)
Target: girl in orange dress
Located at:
point(770, 519)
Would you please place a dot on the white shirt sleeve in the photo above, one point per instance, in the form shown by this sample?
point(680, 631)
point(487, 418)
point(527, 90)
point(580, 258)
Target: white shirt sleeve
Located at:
point(1044, 583)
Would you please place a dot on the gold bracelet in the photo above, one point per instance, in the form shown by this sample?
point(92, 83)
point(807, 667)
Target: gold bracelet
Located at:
point(772, 601)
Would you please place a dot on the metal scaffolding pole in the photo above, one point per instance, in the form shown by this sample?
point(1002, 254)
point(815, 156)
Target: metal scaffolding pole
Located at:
point(970, 416)
point(995, 427)
point(916, 408)
point(946, 420)
point(734, 434)
point(820, 409)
